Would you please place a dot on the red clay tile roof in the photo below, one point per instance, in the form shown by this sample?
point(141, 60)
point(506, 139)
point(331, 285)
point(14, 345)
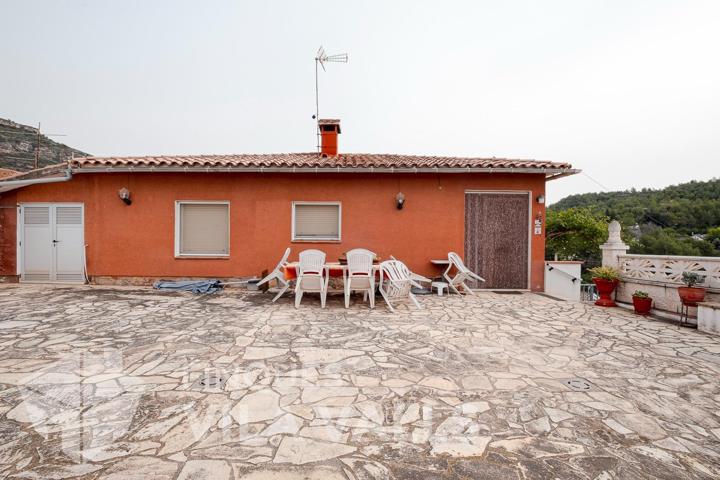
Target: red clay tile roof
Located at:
point(312, 161)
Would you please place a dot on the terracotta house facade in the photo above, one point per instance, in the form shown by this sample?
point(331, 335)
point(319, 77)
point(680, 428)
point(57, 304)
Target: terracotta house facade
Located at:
point(139, 219)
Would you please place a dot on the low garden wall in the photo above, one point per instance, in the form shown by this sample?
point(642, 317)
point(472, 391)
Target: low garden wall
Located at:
point(661, 275)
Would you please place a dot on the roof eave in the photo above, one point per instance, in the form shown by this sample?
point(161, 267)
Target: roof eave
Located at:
point(550, 173)
point(8, 185)
point(566, 173)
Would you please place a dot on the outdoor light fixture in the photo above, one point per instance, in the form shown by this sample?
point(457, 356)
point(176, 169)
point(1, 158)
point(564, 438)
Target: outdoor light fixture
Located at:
point(540, 198)
point(124, 195)
point(400, 200)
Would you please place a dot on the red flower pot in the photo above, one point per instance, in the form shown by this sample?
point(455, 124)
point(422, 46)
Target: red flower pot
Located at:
point(605, 288)
point(690, 296)
point(642, 305)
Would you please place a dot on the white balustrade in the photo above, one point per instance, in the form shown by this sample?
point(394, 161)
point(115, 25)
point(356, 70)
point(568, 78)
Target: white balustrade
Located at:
point(658, 275)
point(668, 269)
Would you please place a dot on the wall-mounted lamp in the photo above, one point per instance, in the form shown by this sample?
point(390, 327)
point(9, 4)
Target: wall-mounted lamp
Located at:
point(540, 198)
point(124, 195)
point(400, 200)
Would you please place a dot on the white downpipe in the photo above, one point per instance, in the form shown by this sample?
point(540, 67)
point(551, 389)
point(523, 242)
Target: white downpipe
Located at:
point(85, 271)
point(7, 185)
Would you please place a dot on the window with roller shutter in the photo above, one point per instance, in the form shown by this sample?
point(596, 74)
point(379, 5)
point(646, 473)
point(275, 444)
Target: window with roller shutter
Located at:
point(202, 228)
point(316, 221)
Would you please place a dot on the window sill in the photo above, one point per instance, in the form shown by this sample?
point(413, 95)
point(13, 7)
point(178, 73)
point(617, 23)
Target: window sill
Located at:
point(202, 257)
point(315, 241)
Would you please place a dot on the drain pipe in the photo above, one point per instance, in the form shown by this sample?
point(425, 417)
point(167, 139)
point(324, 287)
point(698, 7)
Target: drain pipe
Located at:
point(7, 185)
point(85, 272)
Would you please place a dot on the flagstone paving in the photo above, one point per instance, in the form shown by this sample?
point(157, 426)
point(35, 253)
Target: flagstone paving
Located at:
point(130, 383)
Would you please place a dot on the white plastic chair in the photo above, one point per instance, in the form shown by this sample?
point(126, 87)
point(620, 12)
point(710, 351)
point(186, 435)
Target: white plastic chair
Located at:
point(395, 283)
point(360, 275)
point(279, 275)
point(416, 276)
point(311, 276)
point(463, 274)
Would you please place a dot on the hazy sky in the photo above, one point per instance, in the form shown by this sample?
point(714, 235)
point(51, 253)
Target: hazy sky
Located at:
point(628, 91)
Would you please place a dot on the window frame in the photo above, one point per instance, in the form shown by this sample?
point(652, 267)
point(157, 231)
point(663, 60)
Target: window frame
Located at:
point(295, 238)
point(178, 228)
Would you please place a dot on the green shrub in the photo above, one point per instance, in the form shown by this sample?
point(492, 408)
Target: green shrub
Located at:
point(606, 273)
point(692, 278)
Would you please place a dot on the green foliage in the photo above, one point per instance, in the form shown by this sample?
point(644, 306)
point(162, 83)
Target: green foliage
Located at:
point(640, 294)
point(713, 237)
point(575, 234)
point(659, 222)
point(689, 207)
point(691, 278)
point(606, 273)
point(666, 241)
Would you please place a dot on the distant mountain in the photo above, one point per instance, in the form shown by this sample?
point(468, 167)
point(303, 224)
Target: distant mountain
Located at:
point(687, 208)
point(18, 144)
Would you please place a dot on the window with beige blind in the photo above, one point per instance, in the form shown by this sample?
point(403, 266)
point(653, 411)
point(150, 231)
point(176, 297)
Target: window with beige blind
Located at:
point(202, 228)
point(316, 221)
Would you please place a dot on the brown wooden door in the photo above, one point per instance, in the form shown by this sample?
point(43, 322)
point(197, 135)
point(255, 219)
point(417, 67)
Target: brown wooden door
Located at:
point(496, 238)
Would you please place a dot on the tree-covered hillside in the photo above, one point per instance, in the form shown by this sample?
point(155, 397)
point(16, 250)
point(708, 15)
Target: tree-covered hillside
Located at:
point(678, 220)
point(689, 208)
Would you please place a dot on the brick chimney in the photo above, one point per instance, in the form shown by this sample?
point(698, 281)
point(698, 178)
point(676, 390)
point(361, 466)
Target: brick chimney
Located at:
point(329, 130)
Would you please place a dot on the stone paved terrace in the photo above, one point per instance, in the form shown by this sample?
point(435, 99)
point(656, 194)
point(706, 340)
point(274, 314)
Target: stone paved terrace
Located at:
point(134, 384)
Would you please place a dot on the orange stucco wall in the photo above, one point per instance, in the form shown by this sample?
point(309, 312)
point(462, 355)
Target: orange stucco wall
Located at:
point(138, 240)
point(8, 229)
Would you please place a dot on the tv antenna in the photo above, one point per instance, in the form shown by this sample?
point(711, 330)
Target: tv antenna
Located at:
point(321, 59)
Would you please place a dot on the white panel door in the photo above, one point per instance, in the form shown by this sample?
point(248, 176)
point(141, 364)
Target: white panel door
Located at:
point(69, 243)
point(52, 243)
point(37, 243)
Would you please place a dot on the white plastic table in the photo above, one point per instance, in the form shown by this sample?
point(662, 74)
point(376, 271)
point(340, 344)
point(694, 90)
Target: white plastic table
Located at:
point(440, 286)
point(333, 269)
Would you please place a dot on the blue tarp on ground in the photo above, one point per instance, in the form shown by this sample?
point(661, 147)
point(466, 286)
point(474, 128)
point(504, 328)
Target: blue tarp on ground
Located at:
point(195, 286)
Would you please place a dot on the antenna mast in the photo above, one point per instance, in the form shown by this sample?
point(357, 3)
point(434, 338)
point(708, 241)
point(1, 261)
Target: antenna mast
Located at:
point(36, 163)
point(37, 149)
point(320, 59)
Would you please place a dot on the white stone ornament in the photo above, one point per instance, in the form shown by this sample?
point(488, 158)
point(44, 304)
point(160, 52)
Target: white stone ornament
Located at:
point(614, 247)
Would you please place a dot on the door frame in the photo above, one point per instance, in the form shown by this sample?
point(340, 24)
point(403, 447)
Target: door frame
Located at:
point(529, 228)
point(20, 245)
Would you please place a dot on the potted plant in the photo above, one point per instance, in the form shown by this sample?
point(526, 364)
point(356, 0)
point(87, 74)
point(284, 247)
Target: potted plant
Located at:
point(690, 294)
point(605, 279)
point(642, 302)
